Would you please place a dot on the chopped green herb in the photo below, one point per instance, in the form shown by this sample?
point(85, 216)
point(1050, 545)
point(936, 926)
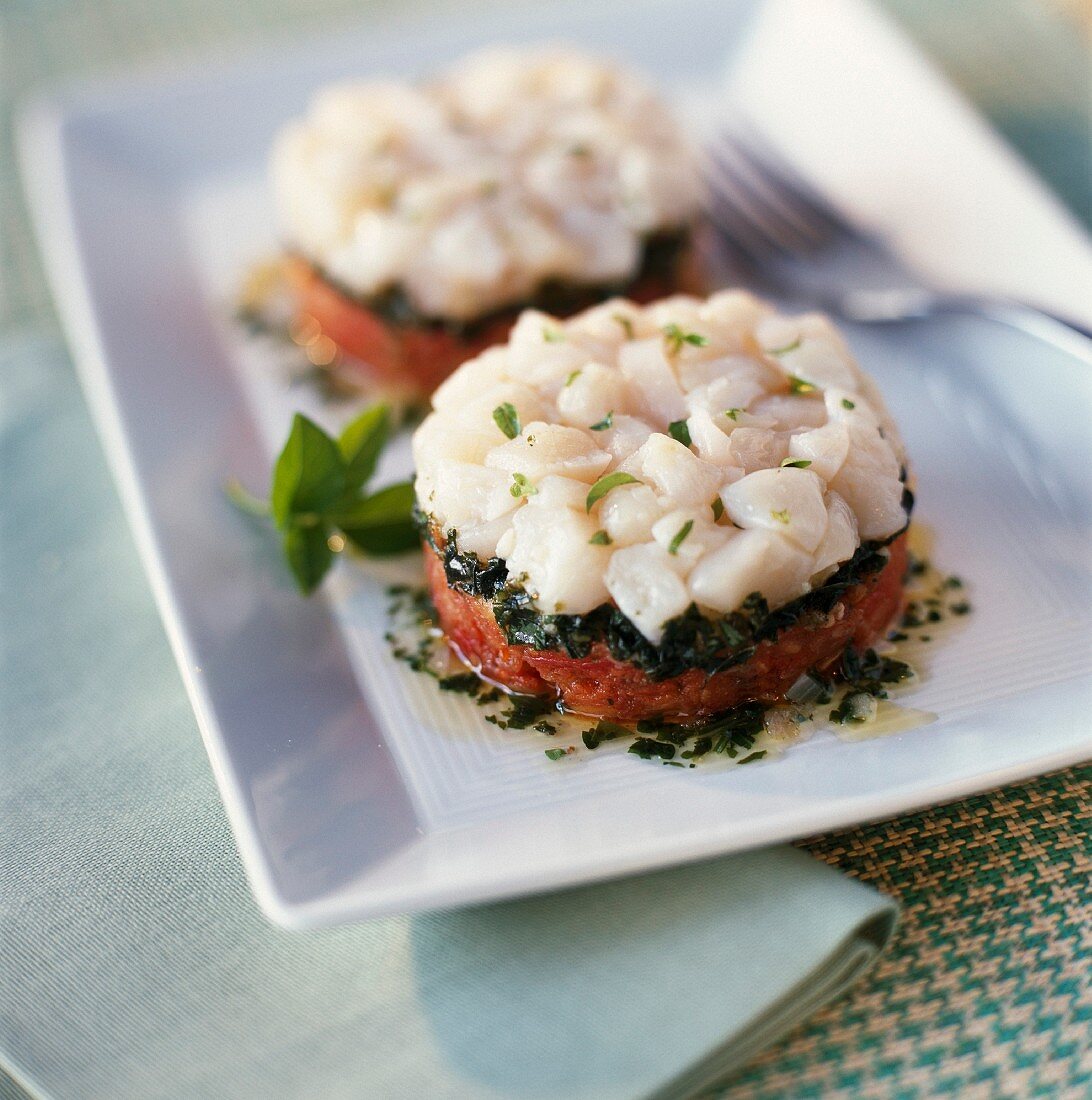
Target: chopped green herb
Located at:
point(953, 582)
point(781, 515)
point(573, 377)
point(678, 429)
point(603, 731)
point(553, 335)
point(680, 537)
point(732, 414)
point(467, 683)
point(674, 338)
point(521, 486)
point(798, 385)
point(604, 486)
point(604, 424)
point(600, 538)
point(750, 759)
point(626, 323)
point(847, 404)
point(556, 754)
point(648, 747)
point(786, 349)
point(718, 509)
point(961, 608)
point(507, 419)
point(796, 463)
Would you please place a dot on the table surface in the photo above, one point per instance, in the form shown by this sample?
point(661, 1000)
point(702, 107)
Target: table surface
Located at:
point(986, 990)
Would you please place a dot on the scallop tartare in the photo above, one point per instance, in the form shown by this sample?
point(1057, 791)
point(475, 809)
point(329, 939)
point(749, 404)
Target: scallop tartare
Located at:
point(662, 511)
point(418, 219)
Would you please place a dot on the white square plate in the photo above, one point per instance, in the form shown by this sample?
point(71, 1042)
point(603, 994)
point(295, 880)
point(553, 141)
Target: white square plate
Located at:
point(353, 789)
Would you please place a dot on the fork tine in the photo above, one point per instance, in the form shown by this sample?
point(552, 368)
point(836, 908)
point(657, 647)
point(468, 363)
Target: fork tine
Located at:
point(742, 184)
point(792, 189)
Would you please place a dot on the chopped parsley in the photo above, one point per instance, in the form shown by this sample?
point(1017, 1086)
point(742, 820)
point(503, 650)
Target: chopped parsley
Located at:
point(752, 757)
point(600, 538)
point(796, 463)
point(674, 338)
point(507, 419)
point(625, 322)
point(604, 424)
point(679, 430)
point(781, 515)
point(798, 385)
point(521, 486)
point(573, 377)
point(603, 731)
point(732, 414)
point(961, 608)
point(604, 486)
point(553, 335)
point(786, 349)
point(847, 404)
point(718, 509)
point(556, 754)
point(648, 747)
point(680, 537)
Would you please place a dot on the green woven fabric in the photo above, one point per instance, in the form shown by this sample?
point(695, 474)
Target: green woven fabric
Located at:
point(987, 990)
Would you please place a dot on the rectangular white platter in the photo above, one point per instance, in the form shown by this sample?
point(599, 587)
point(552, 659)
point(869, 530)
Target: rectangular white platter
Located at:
point(355, 788)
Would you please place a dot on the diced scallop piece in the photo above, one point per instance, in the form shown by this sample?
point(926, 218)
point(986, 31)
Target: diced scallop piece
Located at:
point(539, 352)
point(825, 448)
point(876, 500)
point(683, 310)
point(612, 321)
point(445, 437)
point(869, 450)
point(545, 449)
point(594, 393)
point(708, 440)
point(506, 543)
point(479, 411)
point(483, 539)
point(473, 494)
point(628, 512)
point(654, 392)
point(624, 436)
point(734, 391)
point(751, 561)
point(561, 492)
point(674, 472)
point(788, 501)
point(646, 588)
point(839, 542)
point(865, 407)
point(790, 412)
point(472, 379)
point(746, 374)
point(686, 534)
point(552, 549)
point(736, 311)
point(810, 348)
point(758, 448)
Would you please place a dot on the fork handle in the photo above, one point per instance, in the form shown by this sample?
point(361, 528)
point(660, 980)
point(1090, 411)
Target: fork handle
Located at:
point(880, 306)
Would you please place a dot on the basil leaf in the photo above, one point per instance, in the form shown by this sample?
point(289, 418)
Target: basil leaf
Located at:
point(605, 484)
point(309, 475)
point(381, 523)
point(361, 443)
point(309, 555)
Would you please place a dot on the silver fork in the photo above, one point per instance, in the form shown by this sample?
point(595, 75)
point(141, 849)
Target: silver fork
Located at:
point(796, 244)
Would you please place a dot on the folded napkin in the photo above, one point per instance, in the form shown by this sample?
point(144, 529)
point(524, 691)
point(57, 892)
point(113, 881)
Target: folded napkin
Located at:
point(133, 962)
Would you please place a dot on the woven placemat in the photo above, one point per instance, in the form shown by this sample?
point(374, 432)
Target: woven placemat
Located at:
point(987, 989)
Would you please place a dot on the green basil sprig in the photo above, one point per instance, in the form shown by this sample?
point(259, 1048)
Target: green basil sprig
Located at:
point(318, 493)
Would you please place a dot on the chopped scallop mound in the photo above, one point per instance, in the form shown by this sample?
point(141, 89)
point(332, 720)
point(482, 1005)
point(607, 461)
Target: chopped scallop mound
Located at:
point(468, 192)
point(731, 450)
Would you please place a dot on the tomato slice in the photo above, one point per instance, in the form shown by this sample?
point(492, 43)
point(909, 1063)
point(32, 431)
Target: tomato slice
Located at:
point(413, 357)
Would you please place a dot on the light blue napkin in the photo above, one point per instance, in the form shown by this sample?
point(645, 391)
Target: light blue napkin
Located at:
point(133, 962)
